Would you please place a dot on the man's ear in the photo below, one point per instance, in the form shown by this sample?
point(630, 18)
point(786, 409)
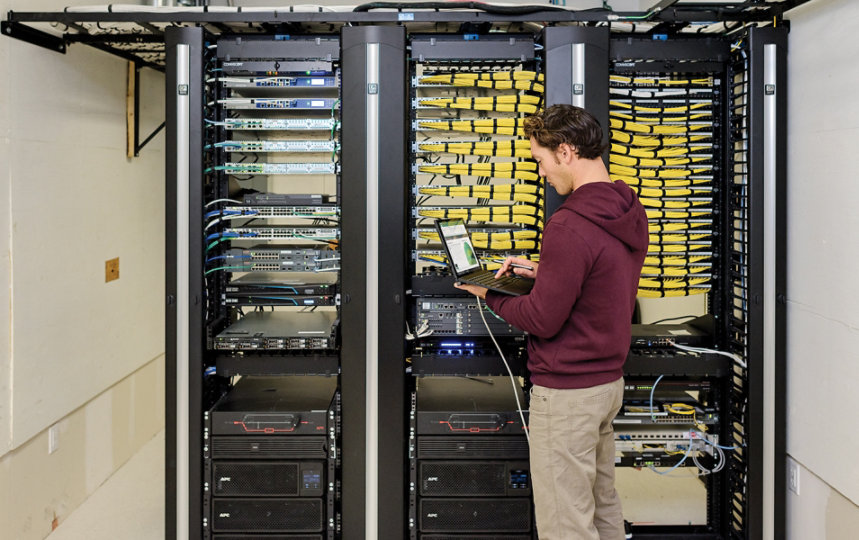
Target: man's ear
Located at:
point(566, 152)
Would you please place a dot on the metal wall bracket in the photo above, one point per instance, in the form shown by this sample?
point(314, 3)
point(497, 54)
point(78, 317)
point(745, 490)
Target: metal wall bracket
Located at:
point(133, 145)
point(31, 35)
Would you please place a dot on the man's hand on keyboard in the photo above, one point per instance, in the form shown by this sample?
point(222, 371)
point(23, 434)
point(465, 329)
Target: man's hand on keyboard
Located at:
point(518, 266)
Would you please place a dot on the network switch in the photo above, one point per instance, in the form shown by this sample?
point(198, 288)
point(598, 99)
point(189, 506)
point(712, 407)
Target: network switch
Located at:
point(278, 146)
point(319, 234)
point(271, 211)
point(282, 124)
point(284, 199)
point(278, 168)
point(267, 258)
point(460, 317)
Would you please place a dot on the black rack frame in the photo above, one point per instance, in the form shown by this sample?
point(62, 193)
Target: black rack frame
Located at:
point(154, 42)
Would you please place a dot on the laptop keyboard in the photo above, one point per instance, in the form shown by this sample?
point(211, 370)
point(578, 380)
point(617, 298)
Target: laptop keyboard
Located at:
point(489, 279)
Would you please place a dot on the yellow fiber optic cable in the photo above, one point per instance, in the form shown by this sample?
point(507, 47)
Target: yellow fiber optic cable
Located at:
point(495, 126)
point(671, 283)
point(671, 203)
point(616, 168)
point(520, 148)
point(522, 170)
point(660, 182)
point(520, 213)
point(663, 261)
point(527, 193)
point(675, 237)
point(454, 80)
point(668, 293)
point(673, 226)
point(676, 214)
point(660, 119)
point(650, 152)
point(520, 75)
point(672, 109)
point(655, 128)
point(518, 103)
point(630, 161)
point(675, 248)
point(672, 271)
point(670, 192)
point(658, 140)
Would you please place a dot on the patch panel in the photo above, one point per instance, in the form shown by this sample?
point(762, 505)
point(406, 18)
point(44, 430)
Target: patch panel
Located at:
point(292, 233)
point(278, 146)
point(286, 211)
point(282, 124)
point(279, 168)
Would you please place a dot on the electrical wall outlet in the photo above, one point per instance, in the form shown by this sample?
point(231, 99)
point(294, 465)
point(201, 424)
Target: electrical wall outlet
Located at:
point(53, 438)
point(793, 475)
point(111, 270)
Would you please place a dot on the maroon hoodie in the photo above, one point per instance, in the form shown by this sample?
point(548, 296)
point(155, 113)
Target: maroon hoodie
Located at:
point(579, 312)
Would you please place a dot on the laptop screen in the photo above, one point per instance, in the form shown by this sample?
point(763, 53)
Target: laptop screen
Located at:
point(459, 248)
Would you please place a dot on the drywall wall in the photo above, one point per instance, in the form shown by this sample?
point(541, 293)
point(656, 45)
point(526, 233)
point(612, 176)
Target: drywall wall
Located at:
point(823, 254)
point(76, 201)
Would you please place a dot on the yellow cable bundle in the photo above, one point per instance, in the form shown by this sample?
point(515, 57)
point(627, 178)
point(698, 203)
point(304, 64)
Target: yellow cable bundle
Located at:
point(672, 271)
point(675, 214)
point(671, 192)
point(663, 261)
point(495, 126)
point(519, 103)
point(521, 170)
point(671, 203)
point(660, 182)
point(527, 193)
point(674, 226)
point(675, 248)
point(677, 109)
point(518, 239)
point(520, 148)
point(656, 129)
point(646, 140)
point(630, 161)
point(671, 283)
point(521, 75)
point(658, 238)
point(658, 119)
point(531, 86)
point(661, 81)
point(670, 293)
point(520, 213)
point(615, 168)
point(649, 152)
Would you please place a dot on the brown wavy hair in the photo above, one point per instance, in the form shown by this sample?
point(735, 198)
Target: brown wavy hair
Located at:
point(567, 124)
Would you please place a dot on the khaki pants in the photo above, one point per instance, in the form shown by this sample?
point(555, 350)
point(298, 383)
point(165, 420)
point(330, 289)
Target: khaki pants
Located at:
point(572, 462)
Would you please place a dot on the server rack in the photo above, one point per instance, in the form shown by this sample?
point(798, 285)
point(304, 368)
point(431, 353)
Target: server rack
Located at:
point(745, 291)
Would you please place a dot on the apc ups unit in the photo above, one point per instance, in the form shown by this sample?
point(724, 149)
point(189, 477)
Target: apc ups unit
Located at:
point(270, 460)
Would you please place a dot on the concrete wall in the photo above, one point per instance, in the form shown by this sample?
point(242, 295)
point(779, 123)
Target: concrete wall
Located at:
point(823, 255)
point(78, 353)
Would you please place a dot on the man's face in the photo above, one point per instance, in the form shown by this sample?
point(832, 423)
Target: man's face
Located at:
point(550, 166)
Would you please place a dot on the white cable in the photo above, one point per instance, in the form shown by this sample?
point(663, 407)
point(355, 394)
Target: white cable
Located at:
point(736, 358)
point(509, 372)
point(227, 217)
point(216, 201)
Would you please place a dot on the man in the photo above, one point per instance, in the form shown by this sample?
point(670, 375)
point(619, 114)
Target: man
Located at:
point(578, 318)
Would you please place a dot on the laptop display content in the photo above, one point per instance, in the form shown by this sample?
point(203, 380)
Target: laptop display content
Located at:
point(466, 267)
